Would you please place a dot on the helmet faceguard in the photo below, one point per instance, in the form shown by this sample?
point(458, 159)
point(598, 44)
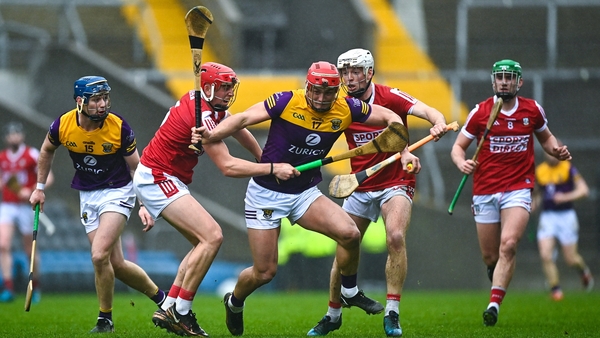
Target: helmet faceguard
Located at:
point(322, 86)
point(89, 87)
point(356, 58)
point(219, 76)
point(506, 79)
point(13, 134)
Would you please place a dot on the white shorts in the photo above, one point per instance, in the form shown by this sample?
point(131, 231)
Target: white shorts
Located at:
point(265, 208)
point(562, 225)
point(157, 196)
point(368, 204)
point(486, 208)
point(18, 214)
point(96, 202)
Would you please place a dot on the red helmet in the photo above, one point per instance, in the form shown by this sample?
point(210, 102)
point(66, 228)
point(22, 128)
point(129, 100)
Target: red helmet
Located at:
point(217, 75)
point(326, 77)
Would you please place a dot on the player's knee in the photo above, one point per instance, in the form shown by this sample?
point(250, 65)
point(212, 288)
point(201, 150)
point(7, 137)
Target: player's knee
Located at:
point(396, 241)
point(265, 276)
point(508, 247)
point(100, 258)
point(349, 237)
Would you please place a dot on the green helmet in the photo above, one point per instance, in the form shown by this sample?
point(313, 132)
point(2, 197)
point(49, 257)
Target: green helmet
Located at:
point(507, 66)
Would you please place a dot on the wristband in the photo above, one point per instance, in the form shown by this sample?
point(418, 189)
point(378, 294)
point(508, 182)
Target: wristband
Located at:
point(271, 173)
point(40, 186)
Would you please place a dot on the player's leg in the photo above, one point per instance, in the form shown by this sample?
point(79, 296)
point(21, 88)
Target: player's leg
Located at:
point(546, 246)
point(195, 223)
point(326, 217)
point(263, 247)
point(396, 213)
point(102, 240)
point(548, 230)
point(568, 236)
point(6, 259)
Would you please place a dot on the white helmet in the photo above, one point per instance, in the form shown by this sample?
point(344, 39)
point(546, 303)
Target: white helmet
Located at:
point(357, 57)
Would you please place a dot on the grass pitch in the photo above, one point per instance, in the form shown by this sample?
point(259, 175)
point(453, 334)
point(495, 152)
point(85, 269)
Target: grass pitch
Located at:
point(292, 314)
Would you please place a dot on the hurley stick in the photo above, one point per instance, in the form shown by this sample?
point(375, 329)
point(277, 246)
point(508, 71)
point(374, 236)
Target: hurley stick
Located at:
point(394, 138)
point(29, 293)
point(493, 115)
point(342, 186)
point(197, 20)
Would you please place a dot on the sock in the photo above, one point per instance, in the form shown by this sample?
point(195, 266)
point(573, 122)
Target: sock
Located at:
point(9, 285)
point(159, 297)
point(183, 304)
point(235, 305)
point(497, 295)
point(349, 287)
point(334, 311)
point(171, 297)
point(392, 303)
point(105, 313)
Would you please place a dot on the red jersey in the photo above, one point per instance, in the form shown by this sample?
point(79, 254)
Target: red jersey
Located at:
point(358, 134)
point(18, 168)
point(506, 160)
point(168, 151)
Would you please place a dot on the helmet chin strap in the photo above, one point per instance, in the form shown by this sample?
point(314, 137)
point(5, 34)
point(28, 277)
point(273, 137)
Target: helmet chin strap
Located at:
point(359, 93)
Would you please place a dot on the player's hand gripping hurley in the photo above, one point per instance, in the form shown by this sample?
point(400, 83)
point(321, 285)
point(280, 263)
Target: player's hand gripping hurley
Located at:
point(493, 115)
point(29, 294)
point(342, 186)
point(197, 20)
point(394, 138)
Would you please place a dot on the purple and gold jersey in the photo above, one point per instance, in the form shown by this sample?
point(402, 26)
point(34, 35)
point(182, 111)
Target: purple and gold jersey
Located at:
point(298, 135)
point(553, 179)
point(97, 155)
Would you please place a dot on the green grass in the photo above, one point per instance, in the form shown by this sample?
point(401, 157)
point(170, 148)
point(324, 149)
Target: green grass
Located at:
point(291, 314)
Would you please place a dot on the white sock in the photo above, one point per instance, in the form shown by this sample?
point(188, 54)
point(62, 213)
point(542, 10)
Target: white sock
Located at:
point(392, 305)
point(167, 303)
point(334, 314)
point(183, 306)
point(349, 293)
point(494, 304)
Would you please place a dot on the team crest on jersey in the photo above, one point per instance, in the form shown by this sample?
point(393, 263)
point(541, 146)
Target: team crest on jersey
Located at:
point(336, 124)
point(267, 214)
point(107, 148)
point(526, 121)
point(84, 216)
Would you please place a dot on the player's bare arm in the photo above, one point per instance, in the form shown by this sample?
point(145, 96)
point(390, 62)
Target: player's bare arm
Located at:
point(47, 151)
point(437, 119)
point(551, 146)
point(458, 154)
point(235, 167)
point(248, 141)
point(253, 115)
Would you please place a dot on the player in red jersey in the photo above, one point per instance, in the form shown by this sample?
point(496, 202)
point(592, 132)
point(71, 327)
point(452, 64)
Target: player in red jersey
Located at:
point(389, 193)
point(18, 173)
point(162, 178)
point(504, 174)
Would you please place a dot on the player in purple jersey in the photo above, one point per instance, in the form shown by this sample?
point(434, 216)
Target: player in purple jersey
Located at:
point(103, 149)
point(305, 123)
point(558, 185)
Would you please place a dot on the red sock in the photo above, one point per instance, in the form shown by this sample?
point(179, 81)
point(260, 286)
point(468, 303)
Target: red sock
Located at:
point(9, 285)
point(186, 295)
point(391, 296)
point(335, 305)
point(174, 291)
point(497, 294)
